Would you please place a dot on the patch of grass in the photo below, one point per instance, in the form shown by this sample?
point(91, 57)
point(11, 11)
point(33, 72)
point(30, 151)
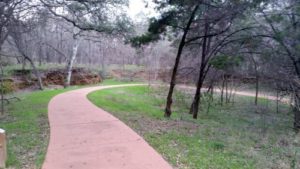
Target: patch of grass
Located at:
point(26, 124)
point(27, 128)
point(229, 136)
point(116, 82)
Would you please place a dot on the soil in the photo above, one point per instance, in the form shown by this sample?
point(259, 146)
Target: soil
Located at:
point(80, 76)
point(24, 80)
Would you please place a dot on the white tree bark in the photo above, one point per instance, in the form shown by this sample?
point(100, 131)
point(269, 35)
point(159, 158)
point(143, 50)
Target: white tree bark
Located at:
point(72, 59)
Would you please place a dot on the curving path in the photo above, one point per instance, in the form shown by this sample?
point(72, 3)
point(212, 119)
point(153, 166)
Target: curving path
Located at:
point(83, 136)
point(242, 93)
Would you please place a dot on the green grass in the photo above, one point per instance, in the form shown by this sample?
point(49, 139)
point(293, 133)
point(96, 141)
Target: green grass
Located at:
point(27, 128)
point(230, 136)
point(117, 82)
point(26, 124)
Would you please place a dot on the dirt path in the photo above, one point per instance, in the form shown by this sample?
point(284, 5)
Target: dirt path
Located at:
point(83, 136)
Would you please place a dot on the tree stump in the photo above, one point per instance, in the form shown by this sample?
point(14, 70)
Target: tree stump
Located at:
point(3, 152)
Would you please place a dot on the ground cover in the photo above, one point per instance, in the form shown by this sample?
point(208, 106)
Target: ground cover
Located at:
point(230, 136)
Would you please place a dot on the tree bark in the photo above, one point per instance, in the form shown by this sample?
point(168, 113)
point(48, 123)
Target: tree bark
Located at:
point(297, 120)
point(35, 70)
point(168, 110)
point(40, 54)
point(256, 80)
point(256, 88)
point(222, 89)
point(197, 98)
point(226, 89)
point(71, 61)
point(277, 101)
point(297, 113)
point(23, 64)
point(36, 73)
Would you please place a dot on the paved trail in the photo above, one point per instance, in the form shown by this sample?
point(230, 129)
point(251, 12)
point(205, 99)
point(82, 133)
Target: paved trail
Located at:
point(83, 136)
point(242, 93)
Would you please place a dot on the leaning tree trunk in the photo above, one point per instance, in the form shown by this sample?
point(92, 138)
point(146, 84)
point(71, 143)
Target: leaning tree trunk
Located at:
point(197, 98)
point(36, 73)
point(71, 62)
point(168, 111)
point(35, 70)
point(196, 101)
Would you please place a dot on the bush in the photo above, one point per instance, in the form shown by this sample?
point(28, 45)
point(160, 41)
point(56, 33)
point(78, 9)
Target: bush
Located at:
point(8, 87)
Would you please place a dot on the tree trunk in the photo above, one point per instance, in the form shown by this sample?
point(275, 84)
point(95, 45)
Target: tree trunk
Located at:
point(36, 73)
point(23, 64)
point(212, 93)
point(210, 100)
point(40, 55)
point(222, 89)
point(71, 62)
point(35, 70)
point(197, 98)
point(102, 59)
point(256, 89)
point(168, 111)
point(256, 80)
point(277, 101)
point(60, 46)
point(196, 101)
point(226, 89)
point(296, 112)
point(231, 90)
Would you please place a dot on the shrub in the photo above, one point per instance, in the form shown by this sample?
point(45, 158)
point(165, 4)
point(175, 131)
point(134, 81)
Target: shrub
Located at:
point(8, 87)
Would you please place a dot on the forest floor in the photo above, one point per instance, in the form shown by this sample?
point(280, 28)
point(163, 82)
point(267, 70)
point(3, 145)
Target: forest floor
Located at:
point(231, 136)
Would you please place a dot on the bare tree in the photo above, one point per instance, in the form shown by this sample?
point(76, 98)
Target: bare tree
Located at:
point(72, 58)
point(21, 43)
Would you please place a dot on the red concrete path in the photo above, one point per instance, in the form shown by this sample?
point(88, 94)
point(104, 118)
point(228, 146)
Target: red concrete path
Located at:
point(82, 136)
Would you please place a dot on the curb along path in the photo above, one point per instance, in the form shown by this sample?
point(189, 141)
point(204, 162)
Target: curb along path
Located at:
point(83, 136)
